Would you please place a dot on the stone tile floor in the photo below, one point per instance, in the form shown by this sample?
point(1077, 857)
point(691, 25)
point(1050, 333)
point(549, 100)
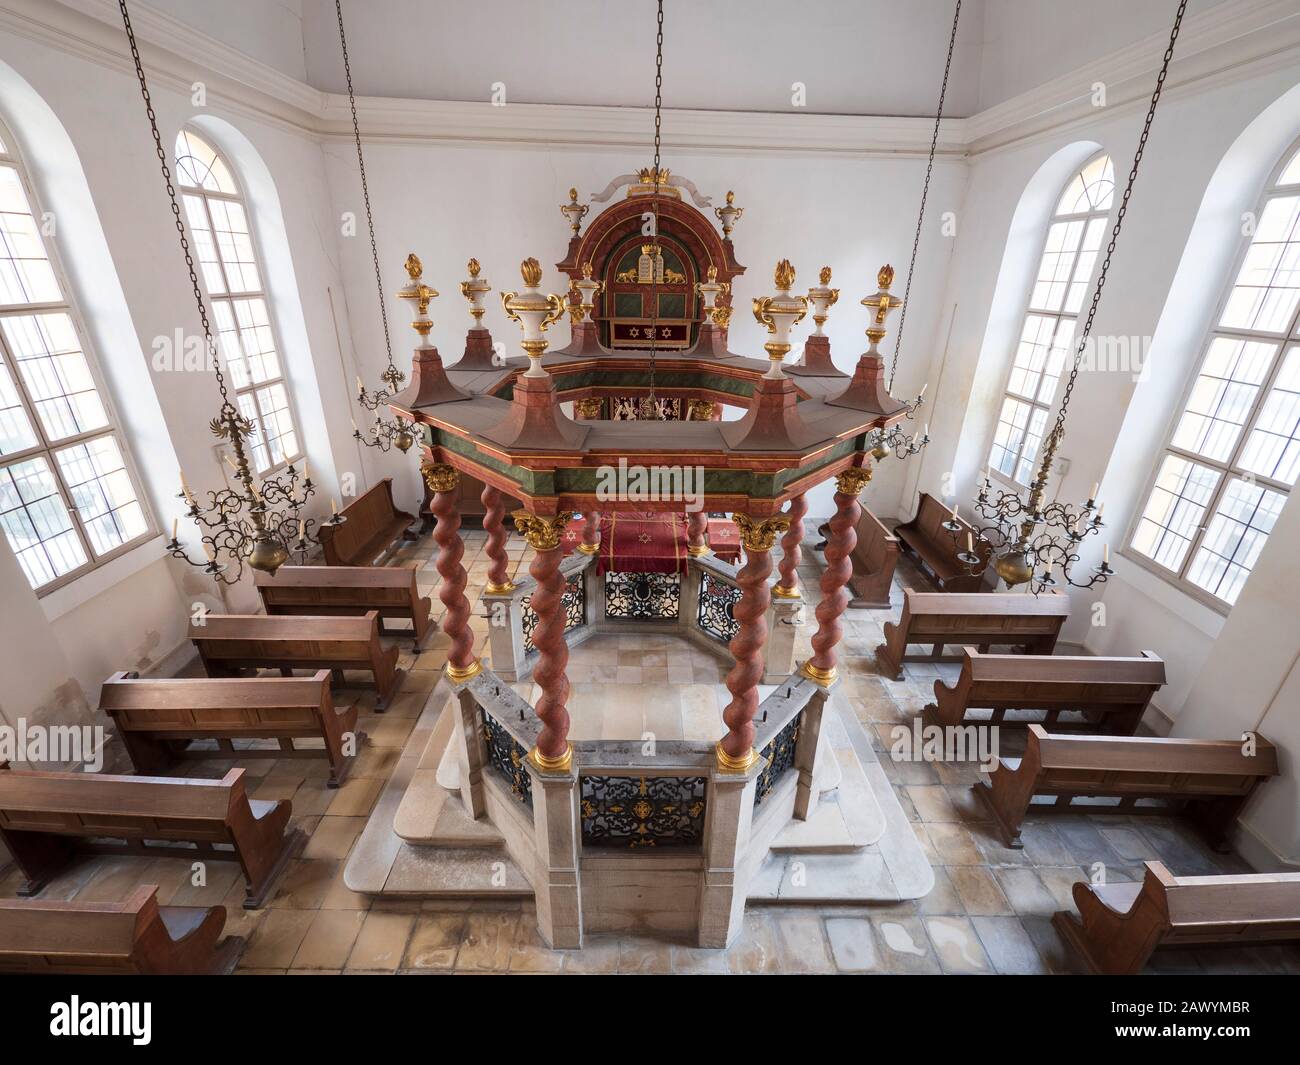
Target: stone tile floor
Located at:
point(989, 912)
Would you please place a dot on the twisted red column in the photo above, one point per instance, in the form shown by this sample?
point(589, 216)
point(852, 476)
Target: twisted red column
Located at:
point(788, 582)
point(697, 531)
point(451, 549)
point(840, 543)
point(747, 649)
point(591, 531)
point(552, 652)
point(494, 512)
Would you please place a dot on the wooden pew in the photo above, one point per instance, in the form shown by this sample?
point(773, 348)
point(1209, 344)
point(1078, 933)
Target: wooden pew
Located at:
point(1210, 780)
point(47, 818)
point(135, 936)
point(321, 590)
point(1120, 925)
point(228, 643)
point(1111, 693)
point(936, 549)
point(981, 619)
point(373, 525)
point(156, 719)
point(873, 559)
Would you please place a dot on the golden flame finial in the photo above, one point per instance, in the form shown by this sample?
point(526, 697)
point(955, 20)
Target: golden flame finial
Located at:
point(474, 268)
point(531, 271)
point(731, 197)
point(573, 195)
point(885, 278)
point(825, 276)
point(784, 275)
point(586, 270)
point(414, 267)
point(712, 274)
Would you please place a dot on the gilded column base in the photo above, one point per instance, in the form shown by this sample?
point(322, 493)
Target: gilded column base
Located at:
point(561, 764)
point(824, 677)
point(727, 764)
point(779, 592)
point(699, 551)
point(589, 549)
point(459, 676)
point(499, 589)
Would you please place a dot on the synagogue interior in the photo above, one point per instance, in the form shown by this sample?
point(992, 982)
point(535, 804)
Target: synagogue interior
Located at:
point(650, 488)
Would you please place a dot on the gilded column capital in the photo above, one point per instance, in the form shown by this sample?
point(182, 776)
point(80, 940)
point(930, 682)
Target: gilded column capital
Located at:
point(439, 476)
point(760, 535)
point(542, 534)
point(852, 480)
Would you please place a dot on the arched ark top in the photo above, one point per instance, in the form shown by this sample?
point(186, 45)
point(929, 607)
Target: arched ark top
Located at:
point(685, 223)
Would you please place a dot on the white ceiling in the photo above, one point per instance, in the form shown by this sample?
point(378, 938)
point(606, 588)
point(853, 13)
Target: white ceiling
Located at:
point(866, 57)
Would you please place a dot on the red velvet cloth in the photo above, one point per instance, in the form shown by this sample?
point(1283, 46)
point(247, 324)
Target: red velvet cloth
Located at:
point(724, 539)
point(650, 541)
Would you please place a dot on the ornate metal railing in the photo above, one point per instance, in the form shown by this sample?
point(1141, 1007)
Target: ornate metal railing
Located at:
point(642, 811)
point(778, 756)
point(506, 755)
point(574, 602)
point(643, 596)
point(717, 601)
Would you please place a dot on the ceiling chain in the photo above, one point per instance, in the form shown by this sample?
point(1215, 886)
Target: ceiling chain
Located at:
point(925, 192)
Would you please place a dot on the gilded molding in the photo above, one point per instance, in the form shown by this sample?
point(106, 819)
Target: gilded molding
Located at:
point(852, 480)
point(542, 534)
point(439, 476)
point(760, 535)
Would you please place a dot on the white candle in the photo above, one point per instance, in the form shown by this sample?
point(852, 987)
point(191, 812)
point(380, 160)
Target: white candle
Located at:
point(334, 507)
point(923, 388)
point(1095, 489)
point(360, 387)
point(1100, 508)
point(184, 486)
point(175, 526)
point(1105, 554)
point(304, 469)
point(302, 529)
point(970, 542)
point(207, 550)
point(954, 512)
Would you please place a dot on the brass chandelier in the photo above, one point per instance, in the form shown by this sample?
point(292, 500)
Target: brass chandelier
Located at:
point(382, 433)
point(260, 525)
point(1038, 543)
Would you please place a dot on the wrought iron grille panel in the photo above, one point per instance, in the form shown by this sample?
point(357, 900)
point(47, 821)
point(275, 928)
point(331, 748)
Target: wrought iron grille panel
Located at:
point(507, 756)
point(643, 596)
point(573, 600)
point(717, 601)
point(642, 811)
point(778, 756)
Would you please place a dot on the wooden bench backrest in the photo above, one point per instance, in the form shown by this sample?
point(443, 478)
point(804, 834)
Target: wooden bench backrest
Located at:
point(366, 516)
point(1153, 765)
point(1060, 678)
point(185, 704)
point(875, 542)
point(338, 586)
point(1199, 904)
point(80, 934)
point(930, 515)
point(78, 803)
point(978, 613)
point(296, 637)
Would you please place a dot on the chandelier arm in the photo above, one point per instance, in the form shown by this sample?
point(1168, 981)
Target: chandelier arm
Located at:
point(365, 189)
point(1058, 428)
point(925, 192)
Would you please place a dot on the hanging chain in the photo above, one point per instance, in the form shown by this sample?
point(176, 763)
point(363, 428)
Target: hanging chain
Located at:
point(1058, 429)
point(657, 253)
point(365, 194)
point(925, 192)
point(227, 408)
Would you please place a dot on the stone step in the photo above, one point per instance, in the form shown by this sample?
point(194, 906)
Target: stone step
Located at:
point(432, 816)
point(455, 872)
point(860, 876)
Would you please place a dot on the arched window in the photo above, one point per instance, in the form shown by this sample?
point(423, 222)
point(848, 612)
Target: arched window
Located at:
point(69, 499)
point(223, 238)
point(1074, 237)
point(1234, 452)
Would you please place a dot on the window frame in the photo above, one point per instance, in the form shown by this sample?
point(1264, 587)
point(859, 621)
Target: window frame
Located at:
point(12, 157)
point(1009, 481)
point(1228, 469)
point(230, 296)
